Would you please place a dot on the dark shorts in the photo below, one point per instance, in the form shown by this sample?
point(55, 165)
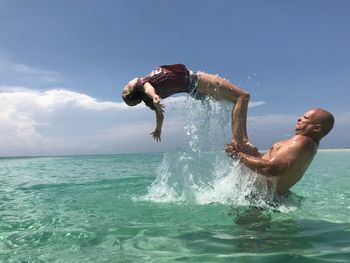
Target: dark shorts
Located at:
point(193, 84)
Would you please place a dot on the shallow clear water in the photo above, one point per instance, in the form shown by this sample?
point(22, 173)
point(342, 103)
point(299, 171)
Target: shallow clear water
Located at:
point(185, 205)
point(122, 208)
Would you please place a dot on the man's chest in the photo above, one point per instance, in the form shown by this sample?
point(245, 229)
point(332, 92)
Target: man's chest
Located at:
point(275, 149)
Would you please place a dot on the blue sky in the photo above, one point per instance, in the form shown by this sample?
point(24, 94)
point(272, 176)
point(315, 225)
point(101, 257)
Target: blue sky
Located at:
point(63, 65)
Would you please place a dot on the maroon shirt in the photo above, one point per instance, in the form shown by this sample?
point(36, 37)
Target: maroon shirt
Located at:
point(167, 80)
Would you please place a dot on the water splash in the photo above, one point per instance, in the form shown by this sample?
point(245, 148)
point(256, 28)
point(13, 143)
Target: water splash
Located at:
point(202, 173)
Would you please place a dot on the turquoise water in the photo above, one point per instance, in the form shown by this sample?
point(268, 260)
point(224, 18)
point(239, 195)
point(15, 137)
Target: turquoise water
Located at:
point(173, 207)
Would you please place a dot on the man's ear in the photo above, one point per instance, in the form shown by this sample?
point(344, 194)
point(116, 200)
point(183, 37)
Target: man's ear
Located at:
point(318, 128)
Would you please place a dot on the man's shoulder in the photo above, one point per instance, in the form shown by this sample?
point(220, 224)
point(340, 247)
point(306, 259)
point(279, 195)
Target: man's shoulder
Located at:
point(304, 142)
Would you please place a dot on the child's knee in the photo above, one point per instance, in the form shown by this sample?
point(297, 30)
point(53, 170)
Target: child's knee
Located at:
point(244, 97)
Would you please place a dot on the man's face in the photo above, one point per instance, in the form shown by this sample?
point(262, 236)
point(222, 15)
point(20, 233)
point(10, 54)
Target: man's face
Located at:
point(306, 123)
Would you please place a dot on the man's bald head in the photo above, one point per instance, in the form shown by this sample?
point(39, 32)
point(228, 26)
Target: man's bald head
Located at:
point(325, 119)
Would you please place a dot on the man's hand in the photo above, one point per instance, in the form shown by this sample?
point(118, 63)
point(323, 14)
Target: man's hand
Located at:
point(231, 150)
point(156, 135)
point(156, 102)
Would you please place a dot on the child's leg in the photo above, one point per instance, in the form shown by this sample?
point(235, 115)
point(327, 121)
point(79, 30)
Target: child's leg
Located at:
point(218, 88)
point(221, 89)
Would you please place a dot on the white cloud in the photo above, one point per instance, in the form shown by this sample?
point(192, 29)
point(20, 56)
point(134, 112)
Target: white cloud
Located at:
point(12, 72)
point(52, 122)
point(59, 121)
point(24, 98)
point(266, 121)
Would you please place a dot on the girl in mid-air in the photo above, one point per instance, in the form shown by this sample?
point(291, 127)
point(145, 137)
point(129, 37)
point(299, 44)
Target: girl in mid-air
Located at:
point(167, 80)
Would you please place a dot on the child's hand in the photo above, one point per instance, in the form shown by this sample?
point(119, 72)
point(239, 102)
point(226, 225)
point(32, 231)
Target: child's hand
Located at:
point(156, 135)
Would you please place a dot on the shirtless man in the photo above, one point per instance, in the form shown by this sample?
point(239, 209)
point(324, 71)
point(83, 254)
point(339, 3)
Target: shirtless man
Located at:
point(287, 160)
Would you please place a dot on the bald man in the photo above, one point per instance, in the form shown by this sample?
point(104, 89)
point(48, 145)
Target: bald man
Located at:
point(286, 160)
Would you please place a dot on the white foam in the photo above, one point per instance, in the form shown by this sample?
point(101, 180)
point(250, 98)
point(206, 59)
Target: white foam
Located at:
point(199, 176)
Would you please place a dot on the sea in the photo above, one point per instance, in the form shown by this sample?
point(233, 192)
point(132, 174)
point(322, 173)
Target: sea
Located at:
point(185, 205)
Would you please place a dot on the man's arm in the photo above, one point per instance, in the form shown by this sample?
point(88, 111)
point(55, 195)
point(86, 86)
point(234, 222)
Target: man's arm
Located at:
point(273, 167)
point(232, 150)
point(283, 160)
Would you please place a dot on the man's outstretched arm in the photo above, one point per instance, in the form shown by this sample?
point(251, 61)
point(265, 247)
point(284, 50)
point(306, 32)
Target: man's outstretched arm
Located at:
point(273, 167)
